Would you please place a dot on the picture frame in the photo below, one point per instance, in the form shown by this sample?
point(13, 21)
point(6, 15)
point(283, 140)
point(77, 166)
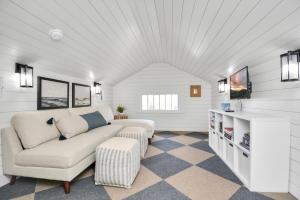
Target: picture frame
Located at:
point(52, 93)
point(195, 91)
point(81, 95)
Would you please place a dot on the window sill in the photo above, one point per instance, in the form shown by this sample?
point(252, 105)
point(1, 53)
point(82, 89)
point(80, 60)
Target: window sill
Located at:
point(160, 112)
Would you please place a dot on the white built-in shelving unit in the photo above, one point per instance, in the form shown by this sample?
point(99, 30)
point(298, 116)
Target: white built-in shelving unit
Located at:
point(264, 166)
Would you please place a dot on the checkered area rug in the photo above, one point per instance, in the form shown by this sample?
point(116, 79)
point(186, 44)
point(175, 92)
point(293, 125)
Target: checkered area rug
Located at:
point(175, 167)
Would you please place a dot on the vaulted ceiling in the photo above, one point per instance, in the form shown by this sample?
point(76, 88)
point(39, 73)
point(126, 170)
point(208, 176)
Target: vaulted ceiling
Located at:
point(111, 39)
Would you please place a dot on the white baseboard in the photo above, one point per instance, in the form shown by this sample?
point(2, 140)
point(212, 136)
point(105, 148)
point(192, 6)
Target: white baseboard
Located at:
point(3, 180)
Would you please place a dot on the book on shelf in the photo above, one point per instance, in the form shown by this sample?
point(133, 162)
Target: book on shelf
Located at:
point(228, 133)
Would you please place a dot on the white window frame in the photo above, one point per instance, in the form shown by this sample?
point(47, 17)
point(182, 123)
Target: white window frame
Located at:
point(159, 107)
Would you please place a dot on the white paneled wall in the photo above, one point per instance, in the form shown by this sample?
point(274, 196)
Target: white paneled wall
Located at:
point(274, 97)
point(14, 99)
point(165, 79)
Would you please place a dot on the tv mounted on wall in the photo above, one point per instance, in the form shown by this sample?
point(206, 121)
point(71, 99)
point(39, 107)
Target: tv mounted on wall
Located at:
point(240, 86)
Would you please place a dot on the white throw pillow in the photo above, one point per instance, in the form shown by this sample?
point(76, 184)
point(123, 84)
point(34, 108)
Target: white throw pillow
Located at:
point(71, 125)
point(32, 127)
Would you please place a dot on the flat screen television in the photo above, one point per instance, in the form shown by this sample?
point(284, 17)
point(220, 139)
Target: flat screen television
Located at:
point(240, 86)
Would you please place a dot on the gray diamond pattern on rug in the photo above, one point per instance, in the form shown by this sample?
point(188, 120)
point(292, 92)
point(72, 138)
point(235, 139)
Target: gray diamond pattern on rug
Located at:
point(161, 191)
point(165, 165)
point(198, 135)
point(244, 194)
point(166, 145)
point(203, 145)
point(166, 134)
point(81, 189)
point(217, 166)
point(23, 186)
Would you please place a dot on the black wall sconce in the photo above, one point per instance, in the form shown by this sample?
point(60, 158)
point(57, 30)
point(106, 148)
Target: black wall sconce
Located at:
point(26, 75)
point(98, 89)
point(222, 85)
point(290, 66)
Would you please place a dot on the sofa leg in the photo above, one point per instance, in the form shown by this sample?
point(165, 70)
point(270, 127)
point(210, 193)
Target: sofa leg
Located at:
point(149, 141)
point(12, 180)
point(67, 187)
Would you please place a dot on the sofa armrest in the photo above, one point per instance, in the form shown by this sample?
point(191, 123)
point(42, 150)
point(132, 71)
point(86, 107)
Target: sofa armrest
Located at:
point(11, 145)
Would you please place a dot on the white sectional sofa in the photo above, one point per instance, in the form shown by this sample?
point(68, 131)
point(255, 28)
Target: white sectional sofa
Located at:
point(42, 155)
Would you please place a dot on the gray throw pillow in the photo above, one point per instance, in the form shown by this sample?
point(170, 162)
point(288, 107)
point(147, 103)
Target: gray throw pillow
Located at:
point(94, 120)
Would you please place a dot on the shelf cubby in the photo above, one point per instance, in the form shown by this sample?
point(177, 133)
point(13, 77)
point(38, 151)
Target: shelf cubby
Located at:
point(229, 154)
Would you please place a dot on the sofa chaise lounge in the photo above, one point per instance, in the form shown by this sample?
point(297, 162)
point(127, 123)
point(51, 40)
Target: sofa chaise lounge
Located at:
point(31, 148)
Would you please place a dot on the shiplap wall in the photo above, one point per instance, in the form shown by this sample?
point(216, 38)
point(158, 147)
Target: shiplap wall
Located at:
point(14, 99)
point(165, 79)
point(273, 97)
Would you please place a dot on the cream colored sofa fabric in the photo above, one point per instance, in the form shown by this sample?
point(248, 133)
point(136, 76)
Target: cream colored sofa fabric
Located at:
point(71, 125)
point(32, 127)
point(66, 153)
point(107, 113)
point(82, 110)
point(31, 147)
point(147, 124)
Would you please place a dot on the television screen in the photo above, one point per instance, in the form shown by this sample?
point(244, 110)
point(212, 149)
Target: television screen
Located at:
point(239, 82)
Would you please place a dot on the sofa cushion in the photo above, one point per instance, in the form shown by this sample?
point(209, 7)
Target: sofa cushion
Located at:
point(66, 153)
point(147, 124)
point(94, 120)
point(106, 112)
point(82, 110)
point(32, 127)
point(71, 125)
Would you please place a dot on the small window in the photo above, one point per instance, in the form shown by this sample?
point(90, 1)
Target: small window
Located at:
point(162, 102)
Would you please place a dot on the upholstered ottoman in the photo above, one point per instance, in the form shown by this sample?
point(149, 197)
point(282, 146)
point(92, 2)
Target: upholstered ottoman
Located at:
point(138, 133)
point(117, 162)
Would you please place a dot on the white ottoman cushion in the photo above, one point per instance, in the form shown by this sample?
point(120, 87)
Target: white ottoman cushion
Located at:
point(138, 133)
point(117, 162)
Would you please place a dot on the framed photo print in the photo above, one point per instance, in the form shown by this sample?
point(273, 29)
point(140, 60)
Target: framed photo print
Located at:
point(52, 94)
point(81, 95)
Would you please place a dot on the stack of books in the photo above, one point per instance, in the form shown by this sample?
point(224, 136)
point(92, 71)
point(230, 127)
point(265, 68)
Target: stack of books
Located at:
point(228, 133)
point(246, 141)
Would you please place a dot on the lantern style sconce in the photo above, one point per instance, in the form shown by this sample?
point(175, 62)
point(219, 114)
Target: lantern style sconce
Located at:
point(195, 91)
point(222, 85)
point(98, 89)
point(290, 66)
point(26, 75)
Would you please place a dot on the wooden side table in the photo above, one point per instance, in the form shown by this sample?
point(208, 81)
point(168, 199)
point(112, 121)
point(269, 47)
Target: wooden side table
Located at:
point(122, 116)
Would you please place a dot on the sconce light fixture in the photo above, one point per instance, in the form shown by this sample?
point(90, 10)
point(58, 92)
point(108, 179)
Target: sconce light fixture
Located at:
point(290, 66)
point(26, 75)
point(98, 89)
point(222, 85)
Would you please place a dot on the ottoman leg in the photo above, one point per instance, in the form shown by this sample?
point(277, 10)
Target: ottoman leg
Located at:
point(149, 141)
point(67, 187)
point(12, 180)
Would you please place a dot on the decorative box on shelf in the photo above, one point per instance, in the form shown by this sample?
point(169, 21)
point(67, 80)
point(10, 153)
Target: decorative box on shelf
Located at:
point(121, 116)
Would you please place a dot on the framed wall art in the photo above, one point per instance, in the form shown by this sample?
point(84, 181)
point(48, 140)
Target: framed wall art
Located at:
point(52, 93)
point(81, 95)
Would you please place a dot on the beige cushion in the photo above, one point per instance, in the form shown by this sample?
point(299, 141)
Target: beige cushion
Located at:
point(66, 153)
point(71, 125)
point(32, 127)
point(106, 112)
point(82, 110)
point(147, 124)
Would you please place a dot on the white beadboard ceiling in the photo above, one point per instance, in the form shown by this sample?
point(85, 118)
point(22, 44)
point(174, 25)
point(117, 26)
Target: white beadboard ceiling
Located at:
point(109, 40)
